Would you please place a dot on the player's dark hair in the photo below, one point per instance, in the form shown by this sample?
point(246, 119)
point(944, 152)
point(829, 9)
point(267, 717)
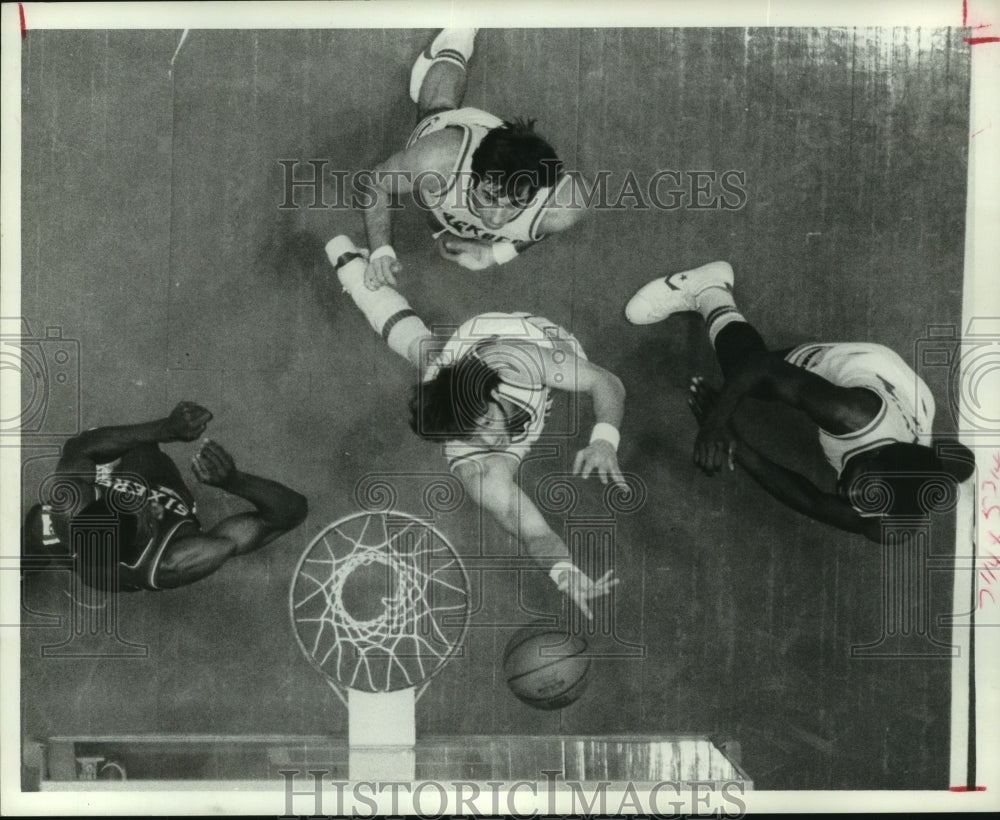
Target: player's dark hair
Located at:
point(907, 480)
point(451, 404)
point(517, 160)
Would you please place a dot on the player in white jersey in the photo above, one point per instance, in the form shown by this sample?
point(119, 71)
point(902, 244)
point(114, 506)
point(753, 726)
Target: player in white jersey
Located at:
point(873, 412)
point(484, 394)
point(491, 188)
point(118, 475)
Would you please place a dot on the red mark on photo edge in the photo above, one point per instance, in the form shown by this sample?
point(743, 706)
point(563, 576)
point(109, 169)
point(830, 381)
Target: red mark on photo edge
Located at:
point(967, 789)
point(24, 26)
point(975, 41)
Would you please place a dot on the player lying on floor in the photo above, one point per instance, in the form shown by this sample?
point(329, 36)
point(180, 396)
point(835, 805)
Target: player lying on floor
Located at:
point(119, 473)
point(490, 188)
point(485, 395)
point(873, 412)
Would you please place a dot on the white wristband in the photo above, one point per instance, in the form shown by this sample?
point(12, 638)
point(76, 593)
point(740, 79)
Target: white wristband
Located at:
point(606, 432)
point(558, 567)
point(384, 250)
point(503, 252)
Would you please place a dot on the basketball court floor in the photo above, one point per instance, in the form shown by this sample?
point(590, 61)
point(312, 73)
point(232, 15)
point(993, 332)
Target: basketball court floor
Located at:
point(155, 239)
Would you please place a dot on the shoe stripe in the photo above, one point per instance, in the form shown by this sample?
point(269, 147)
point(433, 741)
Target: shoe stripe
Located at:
point(451, 55)
point(719, 312)
point(344, 258)
point(395, 319)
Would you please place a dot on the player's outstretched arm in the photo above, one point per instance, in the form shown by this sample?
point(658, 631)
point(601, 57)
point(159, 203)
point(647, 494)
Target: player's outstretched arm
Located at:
point(796, 491)
point(491, 483)
point(769, 377)
point(425, 167)
point(573, 373)
point(279, 509)
point(77, 466)
point(186, 422)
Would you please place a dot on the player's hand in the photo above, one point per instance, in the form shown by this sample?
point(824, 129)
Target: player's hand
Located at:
point(716, 443)
point(382, 271)
point(186, 422)
point(701, 399)
point(469, 253)
point(581, 589)
point(599, 455)
point(213, 465)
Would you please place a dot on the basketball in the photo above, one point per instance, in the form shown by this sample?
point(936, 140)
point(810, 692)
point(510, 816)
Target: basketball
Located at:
point(545, 668)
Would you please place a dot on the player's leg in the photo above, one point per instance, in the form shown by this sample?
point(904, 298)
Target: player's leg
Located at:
point(438, 78)
point(386, 310)
point(734, 343)
point(709, 291)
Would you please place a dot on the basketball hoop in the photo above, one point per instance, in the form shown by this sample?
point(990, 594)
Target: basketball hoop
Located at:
point(379, 602)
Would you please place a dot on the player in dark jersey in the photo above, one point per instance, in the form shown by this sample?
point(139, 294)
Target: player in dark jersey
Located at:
point(118, 478)
point(873, 413)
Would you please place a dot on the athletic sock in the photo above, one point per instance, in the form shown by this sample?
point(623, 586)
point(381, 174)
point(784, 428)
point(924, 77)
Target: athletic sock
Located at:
point(386, 310)
point(454, 46)
point(716, 304)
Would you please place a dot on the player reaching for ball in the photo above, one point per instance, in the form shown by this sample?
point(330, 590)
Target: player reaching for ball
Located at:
point(491, 188)
point(485, 395)
point(120, 474)
point(873, 412)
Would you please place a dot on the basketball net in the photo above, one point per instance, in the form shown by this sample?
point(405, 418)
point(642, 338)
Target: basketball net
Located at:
point(380, 603)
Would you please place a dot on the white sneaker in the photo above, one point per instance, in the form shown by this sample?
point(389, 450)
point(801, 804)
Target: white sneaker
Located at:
point(663, 297)
point(340, 250)
point(453, 44)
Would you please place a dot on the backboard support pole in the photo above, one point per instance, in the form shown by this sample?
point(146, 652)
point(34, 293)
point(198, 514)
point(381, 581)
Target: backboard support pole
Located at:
point(382, 735)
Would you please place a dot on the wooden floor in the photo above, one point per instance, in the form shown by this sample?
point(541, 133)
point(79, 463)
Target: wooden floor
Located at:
point(153, 235)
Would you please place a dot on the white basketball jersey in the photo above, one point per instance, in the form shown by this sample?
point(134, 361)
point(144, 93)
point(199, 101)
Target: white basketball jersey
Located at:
point(496, 339)
point(453, 207)
point(907, 411)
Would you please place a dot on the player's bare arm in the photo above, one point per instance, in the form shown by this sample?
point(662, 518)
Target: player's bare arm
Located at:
point(279, 509)
point(564, 371)
point(186, 422)
point(422, 170)
point(81, 454)
point(797, 492)
point(566, 210)
point(192, 557)
point(568, 207)
point(787, 486)
point(476, 254)
point(767, 376)
point(492, 483)
point(471, 254)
